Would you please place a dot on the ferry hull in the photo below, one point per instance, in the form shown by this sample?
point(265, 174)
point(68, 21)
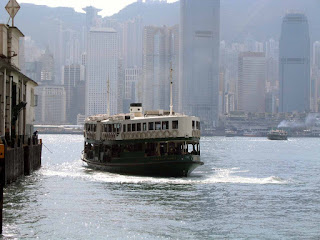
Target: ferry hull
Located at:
point(276, 137)
point(149, 167)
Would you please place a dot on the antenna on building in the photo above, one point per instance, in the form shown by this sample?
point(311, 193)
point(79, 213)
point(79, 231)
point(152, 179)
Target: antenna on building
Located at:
point(171, 83)
point(108, 97)
point(12, 8)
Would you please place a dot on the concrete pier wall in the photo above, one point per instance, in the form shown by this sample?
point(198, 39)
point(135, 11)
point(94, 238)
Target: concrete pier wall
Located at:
point(21, 161)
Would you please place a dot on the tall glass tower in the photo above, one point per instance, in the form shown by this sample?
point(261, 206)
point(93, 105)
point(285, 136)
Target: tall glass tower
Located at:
point(294, 63)
point(199, 59)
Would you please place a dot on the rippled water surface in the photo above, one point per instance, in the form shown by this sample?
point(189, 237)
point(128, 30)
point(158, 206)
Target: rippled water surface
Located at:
point(249, 188)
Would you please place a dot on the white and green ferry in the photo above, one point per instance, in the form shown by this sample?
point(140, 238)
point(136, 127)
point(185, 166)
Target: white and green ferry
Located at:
point(152, 143)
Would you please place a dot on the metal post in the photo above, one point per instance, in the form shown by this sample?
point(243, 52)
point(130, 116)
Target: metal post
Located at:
point(171, 104)
point(3, 130)
point(2, 181)
point(108, 96)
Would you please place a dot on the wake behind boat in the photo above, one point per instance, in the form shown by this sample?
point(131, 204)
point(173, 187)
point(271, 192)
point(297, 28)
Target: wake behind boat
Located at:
point(156, 143)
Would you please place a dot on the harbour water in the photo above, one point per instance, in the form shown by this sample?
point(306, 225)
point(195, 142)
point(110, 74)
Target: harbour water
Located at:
point(249, 188)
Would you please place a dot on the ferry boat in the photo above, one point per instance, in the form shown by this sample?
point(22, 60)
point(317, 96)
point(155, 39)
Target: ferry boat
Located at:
point(230, 133)
point(277, 135)
point(151, 143)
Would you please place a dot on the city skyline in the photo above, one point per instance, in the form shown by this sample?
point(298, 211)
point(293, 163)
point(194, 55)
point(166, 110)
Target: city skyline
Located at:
point(207, 73)
point(108, 7)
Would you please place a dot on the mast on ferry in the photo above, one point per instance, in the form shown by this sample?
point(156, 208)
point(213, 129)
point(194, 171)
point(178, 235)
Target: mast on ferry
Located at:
point(171, 83)
point(108, 97)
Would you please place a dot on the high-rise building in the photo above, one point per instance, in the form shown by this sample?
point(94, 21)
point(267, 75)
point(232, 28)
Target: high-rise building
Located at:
point(251, 82)
point(316, 54)
point(131, 87)
point(155, 67)
point(101, 69)
point(132, 43)
point(51, 107)
point(160, 54)
point(72, 46)
point(229, 68)
point(294, 64)
point(47, 72)
point(73, 79)
point(199, 59)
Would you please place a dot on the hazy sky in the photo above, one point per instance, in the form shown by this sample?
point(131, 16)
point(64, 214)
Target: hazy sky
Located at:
point(109, 6)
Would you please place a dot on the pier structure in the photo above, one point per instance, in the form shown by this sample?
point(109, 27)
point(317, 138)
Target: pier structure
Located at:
point(20, 148)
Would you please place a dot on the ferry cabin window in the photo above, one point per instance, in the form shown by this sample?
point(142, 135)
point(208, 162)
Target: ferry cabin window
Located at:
point(124, 127)
point(109, 128)
point(115, 127)
point(144, 126)
point(151, 126)
point(129, 127)
point(165, 125)
point(193, 125)
point(175, 124)
point(198, 125)
point(133, 127)
point(158, 125)
point(138, 127)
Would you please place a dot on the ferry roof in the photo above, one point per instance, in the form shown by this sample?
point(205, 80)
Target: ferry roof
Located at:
point(121, 117)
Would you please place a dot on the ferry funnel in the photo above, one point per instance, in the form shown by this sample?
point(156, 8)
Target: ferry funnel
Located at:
point(136, 109)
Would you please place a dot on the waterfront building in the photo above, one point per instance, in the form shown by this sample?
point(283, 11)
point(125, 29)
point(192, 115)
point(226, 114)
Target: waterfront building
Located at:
point(199, 59)
point(21, 150)
point(251, 82)
point(294, 64)
point(16, 90)
point(102, 68)
point(51, 106)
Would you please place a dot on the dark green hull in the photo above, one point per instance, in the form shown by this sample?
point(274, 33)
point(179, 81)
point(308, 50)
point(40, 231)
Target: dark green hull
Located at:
point(277, 137)
point(165, 166)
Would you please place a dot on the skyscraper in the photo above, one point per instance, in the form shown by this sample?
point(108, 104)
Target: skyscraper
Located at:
point(132, 43)
point(294, 64)
point(251, 82)
point(102, 67)
point(316, 54)
point(47, 72)
point(74, 87)
point(155, 67)
point(199, 58)
point(51, 108)
point(160, 53)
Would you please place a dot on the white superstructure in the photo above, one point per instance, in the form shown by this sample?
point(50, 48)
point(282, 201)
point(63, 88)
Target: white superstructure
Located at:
point(136, 126)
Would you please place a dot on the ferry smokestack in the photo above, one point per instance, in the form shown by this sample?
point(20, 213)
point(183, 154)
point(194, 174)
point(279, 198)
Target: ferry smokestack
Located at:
point(136, 109)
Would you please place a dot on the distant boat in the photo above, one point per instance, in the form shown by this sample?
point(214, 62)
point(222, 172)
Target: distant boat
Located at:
point(230, 133)
point(277, 135)
point(250, 133)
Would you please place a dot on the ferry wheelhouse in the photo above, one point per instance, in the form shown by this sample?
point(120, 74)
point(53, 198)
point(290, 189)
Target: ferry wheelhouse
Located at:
point(154, 143)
